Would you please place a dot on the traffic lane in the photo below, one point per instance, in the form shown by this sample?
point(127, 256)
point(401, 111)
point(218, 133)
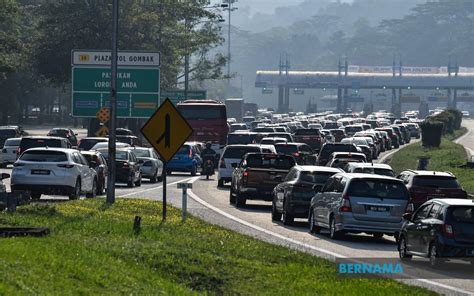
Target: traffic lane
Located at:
point(467, 140)
point(351, 246)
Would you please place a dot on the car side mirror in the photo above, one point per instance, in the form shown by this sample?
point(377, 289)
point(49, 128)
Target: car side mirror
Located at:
point(234, 165)
point(317, 188)
point(4, 176)
point(407, 216)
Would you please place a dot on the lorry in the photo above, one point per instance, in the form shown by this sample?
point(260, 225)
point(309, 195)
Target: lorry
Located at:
point(235, 108)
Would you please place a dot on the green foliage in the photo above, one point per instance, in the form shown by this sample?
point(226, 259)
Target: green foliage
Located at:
point(92, 249)
point(10, 44)
point(431, 132)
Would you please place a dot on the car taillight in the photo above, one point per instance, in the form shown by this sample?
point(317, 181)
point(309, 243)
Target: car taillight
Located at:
point(448, 230)
point(296, 154)
point(66, 166)
point(190, 155)
point(125, 165)
point(246, 174)
point(222, 164)
point(346, 206)
point(245, 177)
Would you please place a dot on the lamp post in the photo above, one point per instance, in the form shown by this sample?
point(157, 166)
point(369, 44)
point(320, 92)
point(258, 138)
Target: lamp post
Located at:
point(229, 8)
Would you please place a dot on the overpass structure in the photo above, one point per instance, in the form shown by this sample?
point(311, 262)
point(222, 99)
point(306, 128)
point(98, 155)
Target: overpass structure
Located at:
point(398, 79)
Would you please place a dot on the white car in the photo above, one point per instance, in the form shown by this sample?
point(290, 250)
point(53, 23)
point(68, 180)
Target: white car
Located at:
point(9, 151)
point(232, 155)
point(2, 186)
point(56, 171)
point(105, 145)
point(151, 166)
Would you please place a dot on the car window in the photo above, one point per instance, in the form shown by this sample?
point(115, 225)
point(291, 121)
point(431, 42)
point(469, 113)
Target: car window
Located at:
point(315, 177)
point(339, 185)
point(463, 214)
point(44, 156)
point(422, 212)
point(142, 152)
point(378, 188)
point(434, 211)
point(436, 182)
point(329, 186)
point(239, 152)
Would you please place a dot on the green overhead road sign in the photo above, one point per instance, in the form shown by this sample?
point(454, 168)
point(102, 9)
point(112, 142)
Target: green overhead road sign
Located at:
point(138, 87)
point(176, 96)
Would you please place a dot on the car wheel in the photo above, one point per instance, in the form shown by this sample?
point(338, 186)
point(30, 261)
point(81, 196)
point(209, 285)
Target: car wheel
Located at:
point(435, 261)
point(288, 218)
point(402, 249)
point(100, 188)
point(378, 235)
point(130, 184)
point(154, 178)
point(35, 195)
point(313, 228)
point(276, 216)
point(76, 193)
point(139, 181)
point(93, 193)
point(240, 200)
point(231, 196)
point(193, 170)
point(333, 233)
point(220, 183)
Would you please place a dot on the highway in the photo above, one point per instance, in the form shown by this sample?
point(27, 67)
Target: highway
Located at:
point(212, 204)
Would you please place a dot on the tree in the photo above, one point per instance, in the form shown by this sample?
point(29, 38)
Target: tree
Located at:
point(9, 37)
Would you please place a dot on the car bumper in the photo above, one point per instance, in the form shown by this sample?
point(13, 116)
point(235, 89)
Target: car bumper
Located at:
point(147, 171)
point(450, 248)
point(44, 189)
point(38, 180)
point(224, 174)
point(299, 209)
point(124, 176)
point(349, 224)
point(265, 194)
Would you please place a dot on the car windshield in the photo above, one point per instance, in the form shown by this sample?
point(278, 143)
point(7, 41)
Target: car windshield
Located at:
point(184, 150)
point(87, 144)
point(270, 161)
point(315, 177)
point(44, 156)
point(378, 188)
point(142, 152)
point(464, 214)
point(436, 182)
point(121, 155)
point(286, 149)
point(377, 171)
point(238, 152)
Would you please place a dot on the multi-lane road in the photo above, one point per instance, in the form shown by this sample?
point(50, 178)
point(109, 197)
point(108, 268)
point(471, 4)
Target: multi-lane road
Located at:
point(212, 204)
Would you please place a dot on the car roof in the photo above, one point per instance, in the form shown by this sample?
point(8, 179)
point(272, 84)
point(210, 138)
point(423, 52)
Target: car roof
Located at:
point(289, 144)
point(52, 149)
point(241, 146)
point(314, 168)
point(370, 165)
point(369, 176)
point(95, 138)
point(430, 173)
point(42, 137)
point(347, 153)
point(454, 201)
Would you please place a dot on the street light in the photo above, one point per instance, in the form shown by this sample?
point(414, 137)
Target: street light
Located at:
point(229, 8)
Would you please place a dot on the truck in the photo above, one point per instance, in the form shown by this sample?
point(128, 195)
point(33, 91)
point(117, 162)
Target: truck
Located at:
point(235, 108)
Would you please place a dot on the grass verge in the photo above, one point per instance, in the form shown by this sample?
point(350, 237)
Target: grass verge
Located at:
point(92, 249)
point(448, 157)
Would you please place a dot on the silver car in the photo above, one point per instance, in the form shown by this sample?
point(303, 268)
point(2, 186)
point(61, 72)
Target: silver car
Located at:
point(9, 151)
point(151, 166)
point(355, 203)
point(58, 171)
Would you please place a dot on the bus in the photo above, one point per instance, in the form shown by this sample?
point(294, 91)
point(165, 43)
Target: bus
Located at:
point(208, 118)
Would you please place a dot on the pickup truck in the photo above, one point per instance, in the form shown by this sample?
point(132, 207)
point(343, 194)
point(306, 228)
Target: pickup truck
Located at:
point(256, 176)
point(311, 137)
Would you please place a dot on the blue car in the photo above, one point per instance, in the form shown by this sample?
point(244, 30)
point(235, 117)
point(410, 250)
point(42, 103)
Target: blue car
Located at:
point(186, 160)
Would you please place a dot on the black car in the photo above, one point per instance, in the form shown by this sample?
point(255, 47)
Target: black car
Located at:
point(89, 142)
point(64, 133)
point(329, 148)
point(98, 162)
point(302, 153)
point(127, 167)
point(292, 197)
point(131, 140)
point(7, 133)
point(440, 229)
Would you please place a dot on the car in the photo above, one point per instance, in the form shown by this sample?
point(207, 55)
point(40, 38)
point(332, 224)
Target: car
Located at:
point(60, 171)
point(441, 229)
point(363, 145)
point(426, 185)
point(7, 132)
point(187, 159)
point(311, 137)
point(3, 176)
point(394, 140)
point(328, 136)
point(256, 176)
point(131, 140)
point(302, 152)
point(341, 159)
point(89, 142)
point(127, 168)
point(329, 148)
point(287, 136)
point(352, 129)
point(238, 127)
point(105, 145)
point(64, 133)
point(151, 166)
point(369, 168)
point(9, 151)
point(338, 134)
point(292, 197)
point(98, 162)
point(38, 141)
point(231, 155)
point(243, 137)
point(355, 203)
point(400, 134)
point(465, 114)
point(123, 132)
point(414, 130)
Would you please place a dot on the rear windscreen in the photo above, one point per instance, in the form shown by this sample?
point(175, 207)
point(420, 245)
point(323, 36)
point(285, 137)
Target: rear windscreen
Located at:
point(268, 162)
point(383, 172)
point(378, 189)
point(461, 214)
point(7, 133)
point(315, 177)
point(328, 149)
point(44, 156)
point(86, 144)
point(184, 150)
point(286, 149)
point(59, 133)
point(32, 143)
point(307, 132)
point(353, 129)
point(239, 139)
point(202, 112)
point(237, 153)
point(436, 182)
point(12, 142)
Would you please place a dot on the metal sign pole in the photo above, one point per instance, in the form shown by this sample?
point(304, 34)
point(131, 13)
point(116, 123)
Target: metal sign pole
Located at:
point(113, 106)
point(165, 174)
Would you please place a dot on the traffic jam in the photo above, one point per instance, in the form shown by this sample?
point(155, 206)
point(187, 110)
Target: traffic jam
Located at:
point(323, 169)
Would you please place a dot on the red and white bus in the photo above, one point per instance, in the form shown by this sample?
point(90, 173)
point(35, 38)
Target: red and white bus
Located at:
point(208, 118)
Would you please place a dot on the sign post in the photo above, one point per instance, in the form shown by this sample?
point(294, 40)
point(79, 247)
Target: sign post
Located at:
point(166, 130)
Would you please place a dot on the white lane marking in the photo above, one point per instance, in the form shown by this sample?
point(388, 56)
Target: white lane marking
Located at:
point(331, 254)
point(154, 188)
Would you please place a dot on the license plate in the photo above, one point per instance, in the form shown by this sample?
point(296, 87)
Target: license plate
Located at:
point(378, 209)
point(39, 172)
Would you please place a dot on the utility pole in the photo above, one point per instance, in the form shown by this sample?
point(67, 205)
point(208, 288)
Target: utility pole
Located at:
point(229, 9)
point(186, 63)
point(113, 105)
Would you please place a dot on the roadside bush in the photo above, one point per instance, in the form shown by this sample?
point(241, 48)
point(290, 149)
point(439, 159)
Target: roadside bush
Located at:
point(447, 119)
point(457, 117)
point(431, 132)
